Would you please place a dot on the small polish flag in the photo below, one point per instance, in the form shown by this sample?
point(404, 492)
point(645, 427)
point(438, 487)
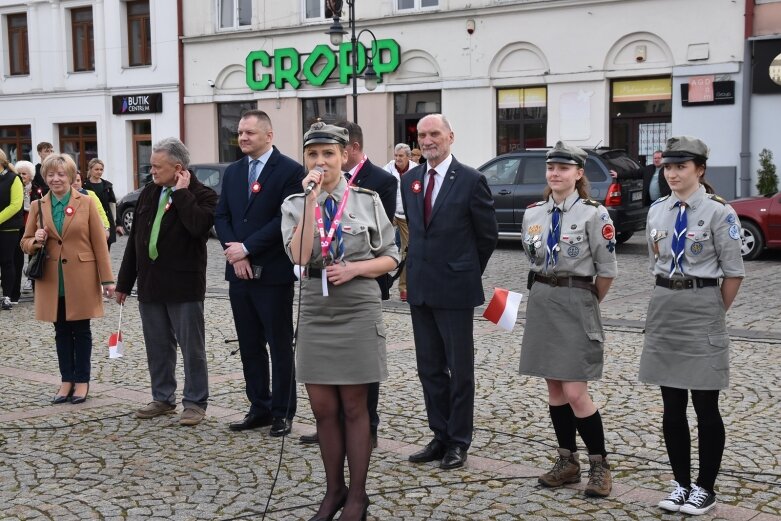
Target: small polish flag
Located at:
point(503, 308)
point(116, 348)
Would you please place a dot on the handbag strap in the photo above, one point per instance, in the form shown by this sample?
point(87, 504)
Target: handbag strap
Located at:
point(40, 214)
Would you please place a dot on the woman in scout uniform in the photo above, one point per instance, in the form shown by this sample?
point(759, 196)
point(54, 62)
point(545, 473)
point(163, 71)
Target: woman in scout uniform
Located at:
point(693, 241)
point(569, 240)
point(343, 237)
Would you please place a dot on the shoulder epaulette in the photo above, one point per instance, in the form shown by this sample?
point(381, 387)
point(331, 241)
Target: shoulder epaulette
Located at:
point(591, 202)
point(660, 200)
point(293, 196)
point(538, 203)
point(717, 198)
point(363, 190)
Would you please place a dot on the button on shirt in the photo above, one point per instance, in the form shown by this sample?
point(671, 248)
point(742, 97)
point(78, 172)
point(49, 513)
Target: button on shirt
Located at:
point(713, 239)
point(442, 170)
point(584, 249)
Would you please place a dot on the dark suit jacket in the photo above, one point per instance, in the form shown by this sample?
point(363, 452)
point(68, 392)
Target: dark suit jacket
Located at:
point(256, 221)
point(381, 181)
point(646, 173)
point(445, 261)
point(39, 186)
point(179, 272)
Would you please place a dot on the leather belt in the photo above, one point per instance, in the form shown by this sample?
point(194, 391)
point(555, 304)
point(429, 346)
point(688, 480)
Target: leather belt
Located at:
point(566, 282)
point(685, 283)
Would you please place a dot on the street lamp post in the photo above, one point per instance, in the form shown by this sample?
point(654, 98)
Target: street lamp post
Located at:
point(337, 32)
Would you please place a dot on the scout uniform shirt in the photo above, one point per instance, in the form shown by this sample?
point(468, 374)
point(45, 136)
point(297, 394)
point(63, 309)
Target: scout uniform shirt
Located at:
point(586, 241)
point(713, 239)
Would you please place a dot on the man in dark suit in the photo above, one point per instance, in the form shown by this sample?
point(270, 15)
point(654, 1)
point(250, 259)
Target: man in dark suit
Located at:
point(654, 183)
point(261, 276)
point(376, 179)
point(452, 234)
point(166, 252)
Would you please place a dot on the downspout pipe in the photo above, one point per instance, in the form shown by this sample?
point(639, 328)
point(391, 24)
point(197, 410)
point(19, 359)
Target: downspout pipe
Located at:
point(745, 127)
point(180, 58)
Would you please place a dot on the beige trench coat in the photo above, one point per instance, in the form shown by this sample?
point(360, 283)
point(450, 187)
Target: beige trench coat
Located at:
point(85, 259)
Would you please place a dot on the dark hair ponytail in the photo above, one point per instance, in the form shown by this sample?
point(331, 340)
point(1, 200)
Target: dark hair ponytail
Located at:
point(702, 162)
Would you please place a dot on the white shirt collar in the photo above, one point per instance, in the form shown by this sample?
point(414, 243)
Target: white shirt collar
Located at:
point(443, 167)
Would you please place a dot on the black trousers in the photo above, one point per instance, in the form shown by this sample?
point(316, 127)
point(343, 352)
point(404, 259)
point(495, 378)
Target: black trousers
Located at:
point(9, 243)
point(74, 346)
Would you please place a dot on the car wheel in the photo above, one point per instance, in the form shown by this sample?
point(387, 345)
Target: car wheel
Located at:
point(753, 242)
point(127, 219)
point(622, 237)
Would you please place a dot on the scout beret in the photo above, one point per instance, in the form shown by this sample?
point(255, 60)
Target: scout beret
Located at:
point(321, 132)
point(568, 154)
point(680, 149)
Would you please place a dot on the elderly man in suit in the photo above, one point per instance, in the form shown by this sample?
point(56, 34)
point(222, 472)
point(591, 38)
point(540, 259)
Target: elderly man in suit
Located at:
point(166, 254)
point(654, 183)
point(248, 223)
point(452, 234)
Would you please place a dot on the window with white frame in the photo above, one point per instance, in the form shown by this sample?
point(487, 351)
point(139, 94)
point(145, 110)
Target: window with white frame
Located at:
point(416, 5)
point(315, 10)
point(233, 14)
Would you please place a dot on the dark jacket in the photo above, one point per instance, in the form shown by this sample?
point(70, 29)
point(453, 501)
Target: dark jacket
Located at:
point(646, 173)
point(107, 197)
point(379, 180)
point(445, 260)
point(256, 220)
point(39, 186)
point(179, 272)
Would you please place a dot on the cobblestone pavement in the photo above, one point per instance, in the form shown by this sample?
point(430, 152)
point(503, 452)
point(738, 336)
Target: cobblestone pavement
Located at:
point(97, 461)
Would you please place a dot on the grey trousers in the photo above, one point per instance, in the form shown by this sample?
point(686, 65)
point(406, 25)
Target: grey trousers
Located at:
point(163, 325)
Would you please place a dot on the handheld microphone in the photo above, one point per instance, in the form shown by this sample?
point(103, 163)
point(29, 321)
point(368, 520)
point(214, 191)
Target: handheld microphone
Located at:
point(312, 184)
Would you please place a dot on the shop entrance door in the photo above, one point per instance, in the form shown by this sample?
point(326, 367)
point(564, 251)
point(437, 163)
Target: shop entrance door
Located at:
point(640, 136)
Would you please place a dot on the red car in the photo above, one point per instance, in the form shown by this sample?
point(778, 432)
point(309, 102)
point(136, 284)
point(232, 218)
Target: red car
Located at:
point(760, 217)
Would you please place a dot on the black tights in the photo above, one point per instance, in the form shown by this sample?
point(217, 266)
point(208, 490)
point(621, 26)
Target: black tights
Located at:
point(339, 437)
point(677, 438)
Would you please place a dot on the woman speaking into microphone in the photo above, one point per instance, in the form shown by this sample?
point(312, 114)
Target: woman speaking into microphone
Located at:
point(341, 336)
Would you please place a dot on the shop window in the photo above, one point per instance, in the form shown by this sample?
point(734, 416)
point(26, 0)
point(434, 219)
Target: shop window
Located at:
point(16, 143)
point(139, 40)
point(82, 32)
point(408, 108)
point(142, 150)
point(416, 5)
point(641, 116)
point(18, 51)
point(329, 110)
point(316, 10)
point(234, 14)
point(522, 119)
point(228, 115)
point(80, 140)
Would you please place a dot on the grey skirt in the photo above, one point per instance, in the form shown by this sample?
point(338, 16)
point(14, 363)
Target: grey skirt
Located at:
point(563, 336)
point(341, 337)
point(686, 341)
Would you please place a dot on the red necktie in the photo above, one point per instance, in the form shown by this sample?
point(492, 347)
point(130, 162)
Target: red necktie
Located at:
point(427, 199)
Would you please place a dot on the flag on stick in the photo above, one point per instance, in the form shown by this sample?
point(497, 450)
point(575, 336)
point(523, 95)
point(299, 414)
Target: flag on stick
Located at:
point(503, 308)
point(116, 348)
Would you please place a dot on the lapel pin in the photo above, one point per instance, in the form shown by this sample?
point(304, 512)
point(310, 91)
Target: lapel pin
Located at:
point(69, 210)
point(255, 187)
point(416, 187)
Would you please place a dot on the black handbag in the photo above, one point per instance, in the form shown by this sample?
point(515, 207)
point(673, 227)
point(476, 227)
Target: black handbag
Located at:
point(34, 268)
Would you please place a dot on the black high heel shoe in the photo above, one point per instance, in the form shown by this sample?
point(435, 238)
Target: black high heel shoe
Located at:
point(59, 398)
point(332, 513)
point(80, 399)
point(366, 504)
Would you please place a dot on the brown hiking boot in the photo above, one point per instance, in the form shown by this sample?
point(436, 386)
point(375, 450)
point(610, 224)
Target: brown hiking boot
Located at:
point(565, 470)
point(600, 483)
point(154, 409)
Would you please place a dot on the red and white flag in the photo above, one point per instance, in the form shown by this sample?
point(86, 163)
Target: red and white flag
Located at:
point(503, 308)
point(116, 348)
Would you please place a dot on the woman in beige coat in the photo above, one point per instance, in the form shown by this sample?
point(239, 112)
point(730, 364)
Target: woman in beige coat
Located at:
point(76, 272)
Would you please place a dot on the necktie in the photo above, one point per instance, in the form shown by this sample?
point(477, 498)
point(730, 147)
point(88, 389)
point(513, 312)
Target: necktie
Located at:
point(330, 211)
point(432, 174)
point(156, 223)
point(253, 175)
point(679, 240)
point(552, 247)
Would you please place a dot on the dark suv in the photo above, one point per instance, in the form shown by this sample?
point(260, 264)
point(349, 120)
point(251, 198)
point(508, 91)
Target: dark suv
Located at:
point(517, 180)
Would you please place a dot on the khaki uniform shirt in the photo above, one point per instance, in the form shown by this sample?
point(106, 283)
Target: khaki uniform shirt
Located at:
point(713, 238)
point(586, 242)
point(366, 231)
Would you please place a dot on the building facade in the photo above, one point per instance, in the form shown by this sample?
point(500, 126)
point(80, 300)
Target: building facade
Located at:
point(508, 73)
point(94, 78)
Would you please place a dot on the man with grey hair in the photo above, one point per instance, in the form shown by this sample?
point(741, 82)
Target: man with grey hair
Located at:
point(166, 255)
point(401, 164)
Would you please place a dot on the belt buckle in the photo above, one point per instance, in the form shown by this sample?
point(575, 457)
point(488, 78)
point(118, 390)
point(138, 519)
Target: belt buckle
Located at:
point(553, 280)
point(678, 284)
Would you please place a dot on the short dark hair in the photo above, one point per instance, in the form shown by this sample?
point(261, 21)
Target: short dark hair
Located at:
point(42, 145)
point(257, 113)
point(356, 134)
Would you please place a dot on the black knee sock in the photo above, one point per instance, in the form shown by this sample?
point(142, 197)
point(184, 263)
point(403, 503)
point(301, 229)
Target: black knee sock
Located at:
point(710, 432)
point(564, 424)
point(677, 438)
point(592, 433)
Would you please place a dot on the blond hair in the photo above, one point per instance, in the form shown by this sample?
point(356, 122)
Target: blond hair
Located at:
point(55, 161)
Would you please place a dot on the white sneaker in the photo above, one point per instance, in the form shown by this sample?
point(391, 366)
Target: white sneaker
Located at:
point(699, 502)
point(676, 499)
point(28, 286)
